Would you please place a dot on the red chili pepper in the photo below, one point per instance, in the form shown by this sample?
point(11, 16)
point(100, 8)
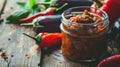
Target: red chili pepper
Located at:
point(47, 39)
point(112, 61)
point(49, 11)
point(111, 7)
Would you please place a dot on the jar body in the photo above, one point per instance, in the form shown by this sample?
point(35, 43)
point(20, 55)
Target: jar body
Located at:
point(83, 43)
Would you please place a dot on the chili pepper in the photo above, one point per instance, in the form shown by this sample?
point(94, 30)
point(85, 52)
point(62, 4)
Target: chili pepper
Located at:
point(49, 11)
point(111, 8)
point(112, 61)
point(52, 29)
point(47, 40)
point(46, 23)
point(14, 18)
point(71, 3)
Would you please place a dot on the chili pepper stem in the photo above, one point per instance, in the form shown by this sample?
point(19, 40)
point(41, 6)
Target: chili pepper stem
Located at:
point(37, 38)
point(52, 3)
point(26, 24)
point(43, 3)
point(30, 36)
point(59, 8)
point(48, 3)
point(98, 3)
point(34, 24)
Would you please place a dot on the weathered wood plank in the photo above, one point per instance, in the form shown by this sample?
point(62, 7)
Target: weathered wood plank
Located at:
point(1, 3)
point(14, 42)
point(56, 59)
point(2, 7)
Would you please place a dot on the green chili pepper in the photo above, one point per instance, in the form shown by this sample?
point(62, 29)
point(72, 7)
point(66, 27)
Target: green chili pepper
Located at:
point(14, 18)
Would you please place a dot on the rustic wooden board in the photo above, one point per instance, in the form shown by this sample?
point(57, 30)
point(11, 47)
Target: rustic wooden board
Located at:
point(14, 42)
point(56, 59)
point(1, 4)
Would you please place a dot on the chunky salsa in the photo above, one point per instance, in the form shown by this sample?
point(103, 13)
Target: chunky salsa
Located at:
point(85, 17)
point(82, 39)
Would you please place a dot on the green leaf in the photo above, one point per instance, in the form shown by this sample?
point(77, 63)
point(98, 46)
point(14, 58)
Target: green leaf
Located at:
point(46, 0)
point(98, 3)
point(32, 3)
point(36, 9)
point(46, 5)
point(15, 17)
point(22, 4)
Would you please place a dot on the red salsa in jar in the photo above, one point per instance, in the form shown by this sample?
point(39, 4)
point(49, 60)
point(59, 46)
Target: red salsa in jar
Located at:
point(84, 34)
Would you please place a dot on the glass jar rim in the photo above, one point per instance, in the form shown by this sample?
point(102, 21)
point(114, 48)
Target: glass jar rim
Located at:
point(105, 18)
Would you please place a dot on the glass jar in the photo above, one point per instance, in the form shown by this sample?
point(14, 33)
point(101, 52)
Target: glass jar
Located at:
point(84, 42)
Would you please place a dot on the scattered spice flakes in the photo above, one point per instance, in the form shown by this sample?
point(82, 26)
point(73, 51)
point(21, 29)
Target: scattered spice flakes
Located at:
point(39, 64)
point(11, 7)
point(3, 54)
point(61, 64)
point(17, 42)
point(9, 39)
point(1, 20)
point(12, 55)
point(34, 50)
point(12, 26)
point(27, 56)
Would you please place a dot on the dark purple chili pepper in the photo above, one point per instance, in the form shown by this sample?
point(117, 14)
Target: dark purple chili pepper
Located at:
point(49, 20)
point(45, 21)
point(52, 29)
point(71, 3)
point(48, 23)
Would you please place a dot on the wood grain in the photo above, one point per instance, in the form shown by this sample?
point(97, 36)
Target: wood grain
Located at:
point(14, 42)
point(2, 6)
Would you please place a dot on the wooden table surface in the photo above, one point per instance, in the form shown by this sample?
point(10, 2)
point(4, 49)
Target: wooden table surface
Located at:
point(17, 45)
point(14, 42)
